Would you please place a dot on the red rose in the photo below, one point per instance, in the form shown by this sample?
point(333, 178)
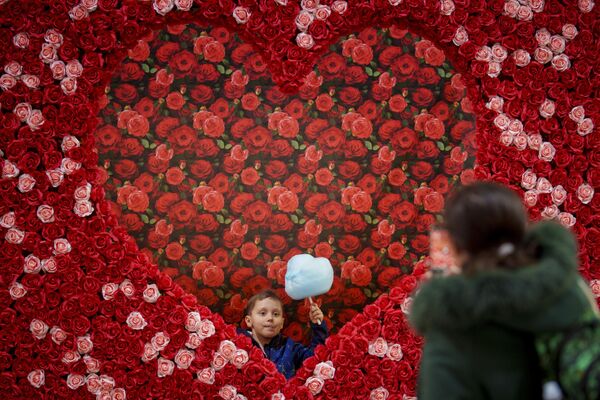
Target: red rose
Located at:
point(213, 276)
point(280, 223)
point(276, 169)
point(332, 66)
point(202, 94)
point(362, 54)
point(422, 97)
point(107, 136)
point(354, 223)
point(427, 149)
point(405, 65)
point(126, 169)
point(175, 101)
point(174, 251)
point(201, 244)
point(214, 52)
point(249, 251)
point(331, 213)
point(281, 148)
point(257, 212)
point(331, 140)
point(276, 244)
point(257, 139)
point(349, 170)
point(126, 93)
point(350, 95)
point(182, 212)
point(355, 149)
point(355, 75)
point(182, 137)
point(404, 140)
point(421, 170)
point(349, 244)
point(403, 214)
point(165, 52)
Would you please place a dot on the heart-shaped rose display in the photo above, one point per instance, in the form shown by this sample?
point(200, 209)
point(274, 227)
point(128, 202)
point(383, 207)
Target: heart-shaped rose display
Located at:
point(84, 312)
point(222, 178)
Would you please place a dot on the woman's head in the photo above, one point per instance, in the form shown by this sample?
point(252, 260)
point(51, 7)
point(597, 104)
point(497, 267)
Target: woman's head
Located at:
point(487, 224)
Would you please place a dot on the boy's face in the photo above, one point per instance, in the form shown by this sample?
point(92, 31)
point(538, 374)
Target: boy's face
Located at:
point(265, 320)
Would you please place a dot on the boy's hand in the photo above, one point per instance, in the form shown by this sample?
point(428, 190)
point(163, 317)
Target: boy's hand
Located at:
point(315, 315)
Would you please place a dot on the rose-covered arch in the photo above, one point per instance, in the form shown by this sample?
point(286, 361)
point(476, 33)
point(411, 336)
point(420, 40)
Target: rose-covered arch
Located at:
point(83, 312)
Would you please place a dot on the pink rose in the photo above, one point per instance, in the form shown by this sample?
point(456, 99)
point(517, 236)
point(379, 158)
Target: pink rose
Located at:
point(585, 127)
point(241, 14)
point(151, 293)
point(547, 108)
point(159, 341)
point(37, 378)
point(577, 114)
point(136, 321)
point(502, 121)
point(511, 8)
point(447, 7)
point(506, 138)
point(559, 195)
point(522, 57)
point(524, 13)
point(324, 370)
point(38, 329)
point(378, 347)
point(227, 348)
point(546, 152)
point(542, 55)
point(314, 384)
point(45, 214)
point(127, 288)
point(55, 176)
point(536, 5)
point(322, 12)
point(69, 142)
point(569, 31)
point(240, 358)
point(13, 68)
point(499, 53)
point(312, 154)
point(58, 335)
point(31, 81)
point(303, 20)
point(406, 305)
point(339, 6)
point(310, 5)
point(9, 170)
point(207, 329)
point(83, 208)
point(207, 375)
point(68, 85)
point(228, 392)
point(520, 141)
point(394, 352)
point(74, 69)
point(218, 362)
point(193, 321)
point(304, 40)
point(90, 5)
point(557, 44)
point(550, 212)
point(184, 5)
point(69, 166)
point(8, 220)
point(379, 393)
point(184, 358)
point(59, 69)
point(50, 265)
point(595, 286)
point(163, 7)
point(109, 290)
point(585, 193)
point(26, 183)
point(194, 340)
point(7, 81)
point(543, 186)
point(494, 69)
point(585, 6)
point(70, 357)
point(14, 236)
point(384, 228)
point(93, 383)
point(32, 264)
point(460, 36)
point(566, 219)
point(530, 198)
point(561, 62)
point(21, 40)
point(16, 290)
point(22, 111)
point(165, 367)
point(84, 344)
point(92, 365)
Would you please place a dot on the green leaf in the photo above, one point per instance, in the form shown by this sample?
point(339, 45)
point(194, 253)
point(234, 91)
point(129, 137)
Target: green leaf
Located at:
point(440, 145)
point(447, 148)
point(228, 146)
point(375, 221)
point(152, 221)
point(367, 292)
point(145, 143)
point(228, 71)
point(294, 218)
point(145, 68)
point(376, 147)
point(153, 70)
point(302, 221)
point(220, 218)
point(302, 147)
point(368, 145)
point(376, 74)
point(152, 146)
point(221, 69)
point(441, 72)
point(369, 71)
point(295, 144)
point(145, 218)
point(368, 218)
point(228, 221)
point(220, 144)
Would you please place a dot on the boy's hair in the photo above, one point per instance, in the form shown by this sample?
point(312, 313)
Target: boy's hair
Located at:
point(265, 294)
point(480, 218)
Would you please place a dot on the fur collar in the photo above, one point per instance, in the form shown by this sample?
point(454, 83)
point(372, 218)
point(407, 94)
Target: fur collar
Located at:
point(460, 302)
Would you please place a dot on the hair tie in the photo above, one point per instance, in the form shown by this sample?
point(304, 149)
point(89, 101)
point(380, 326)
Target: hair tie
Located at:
point(506, 249)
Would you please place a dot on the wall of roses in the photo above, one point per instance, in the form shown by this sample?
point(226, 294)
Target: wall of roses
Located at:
point(86, 313)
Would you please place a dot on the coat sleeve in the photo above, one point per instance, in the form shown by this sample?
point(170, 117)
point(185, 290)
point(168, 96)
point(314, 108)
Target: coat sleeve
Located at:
point(319, 334)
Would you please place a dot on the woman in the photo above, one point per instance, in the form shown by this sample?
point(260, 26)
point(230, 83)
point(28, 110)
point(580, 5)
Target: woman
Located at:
point(518, 288)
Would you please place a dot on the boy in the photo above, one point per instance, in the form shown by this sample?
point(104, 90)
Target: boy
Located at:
point(264, 317)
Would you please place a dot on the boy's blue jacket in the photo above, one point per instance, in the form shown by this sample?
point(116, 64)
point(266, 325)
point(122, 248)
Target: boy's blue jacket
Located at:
point(287, 354)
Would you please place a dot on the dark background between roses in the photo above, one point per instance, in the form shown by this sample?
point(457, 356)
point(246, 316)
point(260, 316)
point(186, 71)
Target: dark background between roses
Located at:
point(364, 263)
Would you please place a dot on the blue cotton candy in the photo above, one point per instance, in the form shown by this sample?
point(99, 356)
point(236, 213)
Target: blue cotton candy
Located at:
point(307, 276)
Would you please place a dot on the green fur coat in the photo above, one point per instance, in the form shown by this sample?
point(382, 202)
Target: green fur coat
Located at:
point(480, 330)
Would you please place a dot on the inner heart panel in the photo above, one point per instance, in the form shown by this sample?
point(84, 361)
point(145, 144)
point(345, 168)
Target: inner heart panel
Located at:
point(221, 178)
